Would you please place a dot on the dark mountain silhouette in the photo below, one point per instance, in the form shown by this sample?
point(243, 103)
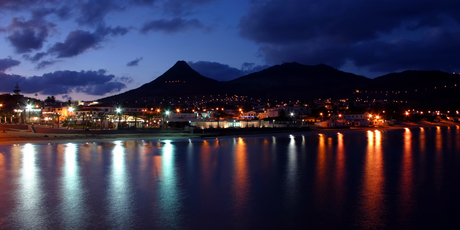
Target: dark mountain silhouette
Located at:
point(421, 89)
point(179, 80)
point(294, 81)
point(297, 81)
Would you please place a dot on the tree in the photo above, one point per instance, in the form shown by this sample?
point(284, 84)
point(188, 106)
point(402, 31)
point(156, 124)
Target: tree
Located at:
point(50, 99)
point(3, 115)
point(101, 116)
point(16, 90)
point(148, 116)
point(135, 115)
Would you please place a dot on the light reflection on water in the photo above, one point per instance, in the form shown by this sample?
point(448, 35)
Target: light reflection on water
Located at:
point(373, 179)
point(373, 198)
point(168, 188)
point(30, 191)
point(119, 200)
point(72, 206)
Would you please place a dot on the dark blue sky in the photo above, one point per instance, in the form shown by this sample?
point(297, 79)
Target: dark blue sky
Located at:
point(88, 49)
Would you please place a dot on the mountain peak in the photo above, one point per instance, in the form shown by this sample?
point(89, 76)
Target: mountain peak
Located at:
point(180, 64)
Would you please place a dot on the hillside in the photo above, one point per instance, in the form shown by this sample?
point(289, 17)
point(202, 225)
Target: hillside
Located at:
point(421, 89)
point(294, 81)
point(180, 80)
point(297, 81)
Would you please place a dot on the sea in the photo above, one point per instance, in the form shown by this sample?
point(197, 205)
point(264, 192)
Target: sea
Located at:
point(346, 179)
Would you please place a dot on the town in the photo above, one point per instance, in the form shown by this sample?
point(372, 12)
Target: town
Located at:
point(211, 112)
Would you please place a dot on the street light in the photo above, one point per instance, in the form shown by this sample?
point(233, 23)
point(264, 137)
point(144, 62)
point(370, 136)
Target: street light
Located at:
point(29, 107)
point(118, 114)
point(164, 118)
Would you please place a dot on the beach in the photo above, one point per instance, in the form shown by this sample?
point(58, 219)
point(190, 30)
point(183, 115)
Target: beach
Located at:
point(21, 136)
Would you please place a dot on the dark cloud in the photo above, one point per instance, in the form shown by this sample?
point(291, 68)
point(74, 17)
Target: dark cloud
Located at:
point(7, 63)
point(224, 72)
point(29, 35)
point(63, 82)
point(34, 58)
point(134, 62)
point(432, 52)
point(101, 89)
point(66, 97)
point(172, 26)
point(21, 4)
point(247, 68)
point(126, 80)
point(79, 41)
point(381, 35)
point(93, 12)
point(181, 7)
point(44, 64)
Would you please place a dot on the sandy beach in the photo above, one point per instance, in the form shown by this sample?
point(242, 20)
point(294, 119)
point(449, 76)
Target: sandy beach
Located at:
point(25, 136)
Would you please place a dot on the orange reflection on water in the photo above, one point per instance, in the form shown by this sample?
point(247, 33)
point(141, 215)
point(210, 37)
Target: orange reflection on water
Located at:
point(407, 178)
point(457, 135)
point(340, 175)
point(2, 172)
point(206, 166)
point(372, 203)
point(241, 187)
point(438, 158)
point(157, 167)
point(321, 173)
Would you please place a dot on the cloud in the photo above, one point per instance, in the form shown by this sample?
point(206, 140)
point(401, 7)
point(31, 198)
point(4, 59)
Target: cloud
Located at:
point(101, 89)
point(79, 41)
point(222, 72)
point(134, 62)
point(93, 12)
point(7, 63)
point(66, 97)
point(373, 34)
point(34, 58)
point(18, 5)
point(29, 35)
point(181, 7)
point(126, 80)
point(63, 82)
point(174, 25)
point(44, 64)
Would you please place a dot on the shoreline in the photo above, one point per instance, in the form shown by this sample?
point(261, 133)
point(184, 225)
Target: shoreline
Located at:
point(12, 137)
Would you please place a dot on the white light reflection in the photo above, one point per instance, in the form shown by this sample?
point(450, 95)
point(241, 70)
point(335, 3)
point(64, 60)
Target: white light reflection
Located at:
point(30, 193)
point(291, 174)
point(119, 190)
point(169, 194)
point(71, 193)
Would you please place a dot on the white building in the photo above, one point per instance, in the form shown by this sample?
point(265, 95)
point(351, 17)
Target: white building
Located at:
point(357, 119)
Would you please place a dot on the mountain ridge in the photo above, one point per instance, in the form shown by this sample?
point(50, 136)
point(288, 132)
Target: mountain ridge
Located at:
point(287, 81)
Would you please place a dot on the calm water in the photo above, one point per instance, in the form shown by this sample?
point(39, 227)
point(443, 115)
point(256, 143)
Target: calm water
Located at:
point(395, 179)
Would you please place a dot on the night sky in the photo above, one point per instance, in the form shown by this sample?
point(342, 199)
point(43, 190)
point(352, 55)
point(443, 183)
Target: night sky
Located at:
point(90, 49)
